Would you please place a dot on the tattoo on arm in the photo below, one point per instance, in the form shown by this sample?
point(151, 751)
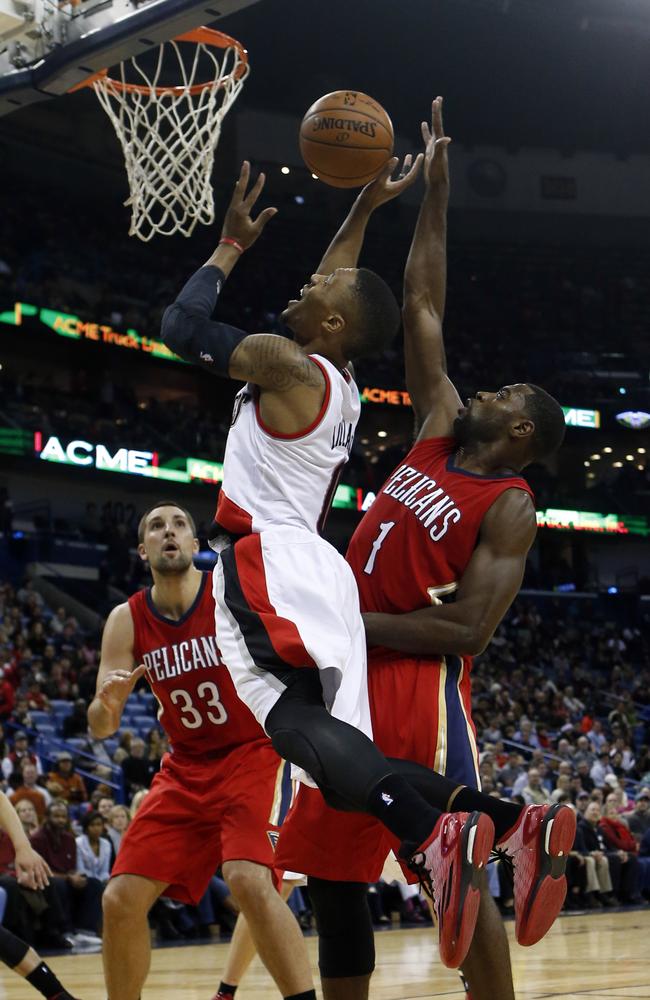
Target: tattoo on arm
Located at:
point(274, 363)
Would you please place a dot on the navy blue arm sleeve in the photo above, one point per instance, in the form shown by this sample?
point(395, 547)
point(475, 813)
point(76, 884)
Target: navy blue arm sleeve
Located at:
point(188, 330)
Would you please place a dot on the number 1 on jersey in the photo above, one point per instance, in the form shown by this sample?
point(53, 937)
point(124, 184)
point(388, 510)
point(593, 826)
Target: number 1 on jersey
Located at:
point(377, 544)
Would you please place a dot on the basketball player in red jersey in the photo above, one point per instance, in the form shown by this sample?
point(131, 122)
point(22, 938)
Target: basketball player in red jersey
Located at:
point(285, 600)
point(216, 798)
point(455, 518)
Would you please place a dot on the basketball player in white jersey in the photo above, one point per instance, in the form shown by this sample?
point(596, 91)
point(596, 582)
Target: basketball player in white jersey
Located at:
point(286, 601)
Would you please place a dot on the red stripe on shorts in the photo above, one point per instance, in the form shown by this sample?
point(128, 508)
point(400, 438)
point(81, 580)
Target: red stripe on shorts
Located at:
point(231, 516)
point(283, 634)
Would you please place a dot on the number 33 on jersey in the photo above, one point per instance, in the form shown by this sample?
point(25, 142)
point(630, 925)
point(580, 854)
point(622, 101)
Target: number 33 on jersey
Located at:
point(199, 708)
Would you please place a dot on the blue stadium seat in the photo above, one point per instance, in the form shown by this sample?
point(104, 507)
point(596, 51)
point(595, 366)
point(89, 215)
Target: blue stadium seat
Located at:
point(46, 729)
point(111, 745)
point(78, 743)
point(62, 707)
point(145, 722)
point(39, 717)
point(148, 699)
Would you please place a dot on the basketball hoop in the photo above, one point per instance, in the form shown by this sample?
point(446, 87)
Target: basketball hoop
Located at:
point(169, 133)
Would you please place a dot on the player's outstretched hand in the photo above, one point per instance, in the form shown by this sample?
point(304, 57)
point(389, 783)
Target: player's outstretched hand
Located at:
point(436, 162)
point(31, 870)
point(117, 686)
point(384, 188)
point(238, 224)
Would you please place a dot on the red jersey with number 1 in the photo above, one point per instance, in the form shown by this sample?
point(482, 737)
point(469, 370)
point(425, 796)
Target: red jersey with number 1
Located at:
point(410, 549)
point(199, 707)
point(415, 542)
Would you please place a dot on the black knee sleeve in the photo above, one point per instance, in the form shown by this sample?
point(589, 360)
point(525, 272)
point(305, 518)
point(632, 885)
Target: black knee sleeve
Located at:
point(344, 763)
point(12, 949)
point(299, 749)
point(346, 943)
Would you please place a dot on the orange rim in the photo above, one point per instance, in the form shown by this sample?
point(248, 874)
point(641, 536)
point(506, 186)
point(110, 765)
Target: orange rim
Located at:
point(199, 36)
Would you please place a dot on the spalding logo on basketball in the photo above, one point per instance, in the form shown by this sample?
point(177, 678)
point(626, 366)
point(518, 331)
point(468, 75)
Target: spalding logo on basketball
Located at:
point(346, 138)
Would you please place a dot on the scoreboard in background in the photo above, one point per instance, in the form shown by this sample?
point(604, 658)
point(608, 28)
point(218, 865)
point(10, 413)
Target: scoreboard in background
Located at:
point(82, 454)
point(73, 327)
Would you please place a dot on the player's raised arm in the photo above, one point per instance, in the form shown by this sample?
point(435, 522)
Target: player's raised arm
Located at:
point(434, 398)
point(187, 327)
point(487, 589)
point(116, 676)
point(345, 248)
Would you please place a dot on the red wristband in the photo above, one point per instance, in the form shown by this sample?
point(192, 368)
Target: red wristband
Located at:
point(231, 243)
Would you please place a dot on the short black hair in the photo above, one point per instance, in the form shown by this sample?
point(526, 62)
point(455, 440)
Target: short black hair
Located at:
point(377, 316)
point(89, 818)
point(164, 503)
point(548, 417)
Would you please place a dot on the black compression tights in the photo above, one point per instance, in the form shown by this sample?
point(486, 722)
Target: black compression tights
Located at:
point(346, 945)
point(353, 774)
point(12, 949)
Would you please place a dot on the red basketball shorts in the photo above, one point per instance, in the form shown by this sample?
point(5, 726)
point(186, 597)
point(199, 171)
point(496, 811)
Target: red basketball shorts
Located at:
point(202, 812)
point(420, 711)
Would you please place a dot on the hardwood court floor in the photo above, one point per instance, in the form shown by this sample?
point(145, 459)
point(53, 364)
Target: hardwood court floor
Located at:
point(597, 957)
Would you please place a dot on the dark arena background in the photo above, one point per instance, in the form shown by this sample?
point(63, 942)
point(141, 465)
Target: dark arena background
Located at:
point(547, 103)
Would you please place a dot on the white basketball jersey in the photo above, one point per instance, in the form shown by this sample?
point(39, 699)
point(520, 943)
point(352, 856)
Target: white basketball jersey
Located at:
point(273, 479)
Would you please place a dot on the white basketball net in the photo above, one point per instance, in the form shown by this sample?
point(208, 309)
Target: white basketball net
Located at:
point(169, 136)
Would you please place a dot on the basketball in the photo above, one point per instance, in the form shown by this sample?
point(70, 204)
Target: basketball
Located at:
point(346, 138)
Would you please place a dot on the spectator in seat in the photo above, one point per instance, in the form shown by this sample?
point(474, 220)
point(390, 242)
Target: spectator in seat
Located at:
point(576, 877)
point(29, 789)
point(75, 725)
point(29, 595)
point(582, 801)
point(596, 736)
point(94, 849)
point(36, 700)
point(28, 816)
point(32, 908)
point(583, 772)
point(534, 792)
point(512, 769)
point(562, 791)
point(118, 821)
point(57, 622)
point(137, 769)
point(639, 820)
point(21, 715)
point(137, 800)
point(622, 846)
point(64, 782)
point(613, 786)
point(526, 734)
point(20, 752)
point(591, 844)
point(600, 768)
point(79, 896)
point(573, 705)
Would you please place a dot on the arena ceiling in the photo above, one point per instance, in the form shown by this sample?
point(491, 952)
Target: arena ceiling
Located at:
point(567, 74)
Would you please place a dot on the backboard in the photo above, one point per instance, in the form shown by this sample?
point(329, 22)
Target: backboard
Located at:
point(46, 48)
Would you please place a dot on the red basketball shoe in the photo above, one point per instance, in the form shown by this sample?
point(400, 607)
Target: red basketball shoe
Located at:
point(538, 847)
point(450, 862)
